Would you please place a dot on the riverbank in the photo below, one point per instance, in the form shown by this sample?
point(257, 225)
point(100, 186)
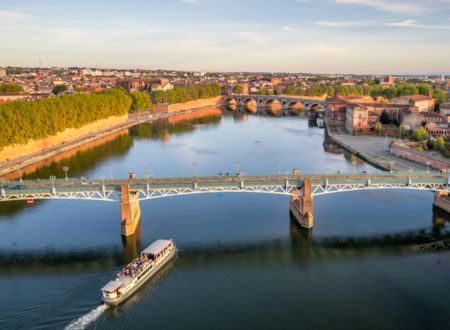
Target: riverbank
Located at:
point(54, 146)
point(374, 150)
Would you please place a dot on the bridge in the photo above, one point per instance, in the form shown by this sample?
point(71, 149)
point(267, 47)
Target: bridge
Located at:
point(265, 102)
point(300, 187)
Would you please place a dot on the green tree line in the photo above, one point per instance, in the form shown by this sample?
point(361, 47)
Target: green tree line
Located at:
point(10, 88)
point(374, 91)
point(22, 121)
point(181, 94)
point(141, 101)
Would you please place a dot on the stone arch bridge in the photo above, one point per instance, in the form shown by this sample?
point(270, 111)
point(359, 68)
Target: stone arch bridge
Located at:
point(301, 188)
point(264, 102)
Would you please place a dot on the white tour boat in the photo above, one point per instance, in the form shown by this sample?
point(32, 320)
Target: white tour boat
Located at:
point(138, 271)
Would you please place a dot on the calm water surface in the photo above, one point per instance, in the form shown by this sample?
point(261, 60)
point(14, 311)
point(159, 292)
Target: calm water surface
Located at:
point(242, 262)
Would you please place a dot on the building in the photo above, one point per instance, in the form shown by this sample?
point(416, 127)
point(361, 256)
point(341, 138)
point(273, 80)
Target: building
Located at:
point(444, 109)
point(356, 114)
point(423, 102)
point(2, 72)
point(132, 85)
point(388, 81)
point(275, 81)
point(159, 85)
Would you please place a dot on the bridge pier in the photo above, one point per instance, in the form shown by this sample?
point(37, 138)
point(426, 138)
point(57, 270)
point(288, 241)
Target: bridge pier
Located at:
point(442, 201)
point(302, 205)
point(130, 211)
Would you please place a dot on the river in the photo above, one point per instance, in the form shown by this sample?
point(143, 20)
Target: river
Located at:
point(242, 263)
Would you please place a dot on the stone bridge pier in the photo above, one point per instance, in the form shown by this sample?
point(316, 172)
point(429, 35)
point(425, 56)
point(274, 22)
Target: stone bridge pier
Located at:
point(302, 205)
point(130, 211)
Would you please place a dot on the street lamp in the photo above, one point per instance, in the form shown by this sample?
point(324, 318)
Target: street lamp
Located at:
point(20, 174)
point(314, 162)
point(278, 167)
point(66, 169)
point(194, 168)
point(354, 165)
point(52, 179)
point(1, 182)
point(151, 165)
point(238, 165)
point(428, 166)
point(110, 171)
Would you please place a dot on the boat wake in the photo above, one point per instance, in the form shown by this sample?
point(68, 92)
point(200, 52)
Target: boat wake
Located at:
point(83, 321)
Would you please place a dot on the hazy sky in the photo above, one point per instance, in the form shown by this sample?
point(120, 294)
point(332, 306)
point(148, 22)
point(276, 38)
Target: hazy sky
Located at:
point(320, 36)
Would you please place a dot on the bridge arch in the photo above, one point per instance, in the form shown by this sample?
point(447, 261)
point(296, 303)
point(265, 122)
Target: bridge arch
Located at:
point(295, 107)
point(230, 103)
point(273, 106)
point(250, 105)
point(316, 106)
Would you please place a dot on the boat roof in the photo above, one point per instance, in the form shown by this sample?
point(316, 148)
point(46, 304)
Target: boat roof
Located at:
point(157, 247)
point(114, 285)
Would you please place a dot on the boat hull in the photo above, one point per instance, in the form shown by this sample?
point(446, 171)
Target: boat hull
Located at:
point(118, 300)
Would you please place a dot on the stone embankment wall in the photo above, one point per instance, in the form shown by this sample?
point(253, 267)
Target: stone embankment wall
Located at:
point(65, 154)
point(179, 107)
point(15, 151)
point(421, 157)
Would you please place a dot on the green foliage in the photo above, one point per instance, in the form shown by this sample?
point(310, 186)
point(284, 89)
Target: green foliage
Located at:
point(22, 121)
point(440, 96)
point(140, 101)
point(419, 134)
point(373, 89)
point(238, 89)
point(441, 145)
point(11, 88)
point(403, 131)
point(14, 71)
point(56, 72)
point(379, 128)
point(182, 94)
point(58, 89)
point(384, 118)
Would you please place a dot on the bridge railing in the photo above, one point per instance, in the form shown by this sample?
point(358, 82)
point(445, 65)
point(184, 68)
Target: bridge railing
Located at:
point(249, 179)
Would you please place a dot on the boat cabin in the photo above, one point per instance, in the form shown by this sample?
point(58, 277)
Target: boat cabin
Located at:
point(158, 249)
point(112, 289)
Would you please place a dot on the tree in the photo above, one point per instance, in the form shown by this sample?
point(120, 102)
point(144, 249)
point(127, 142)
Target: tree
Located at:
point(182, 94)
point(140, 101)
point(403, 131)
point(384, 118)
point(379, 128)
point(419, 134)
point(238, 89)
point(440, 96)
point(11, 88)
point(22, 121)
point(58, 89)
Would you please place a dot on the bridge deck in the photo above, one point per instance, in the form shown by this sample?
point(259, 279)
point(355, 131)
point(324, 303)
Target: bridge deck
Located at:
point(109, 189)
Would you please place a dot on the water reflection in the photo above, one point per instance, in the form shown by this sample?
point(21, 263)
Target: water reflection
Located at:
point(300, 245)
point(132, 245)
point(95, 154)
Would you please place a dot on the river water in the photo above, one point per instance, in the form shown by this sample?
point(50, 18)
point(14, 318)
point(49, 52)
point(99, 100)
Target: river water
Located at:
point(242, 262)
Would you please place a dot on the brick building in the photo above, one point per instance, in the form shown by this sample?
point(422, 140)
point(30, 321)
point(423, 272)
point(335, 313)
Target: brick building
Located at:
point(423, 102)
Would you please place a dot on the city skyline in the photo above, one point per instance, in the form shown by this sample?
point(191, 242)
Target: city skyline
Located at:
point(324, 36)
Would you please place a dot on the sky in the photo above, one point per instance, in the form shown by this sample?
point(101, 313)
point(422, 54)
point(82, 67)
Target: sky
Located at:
point(312, 36)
